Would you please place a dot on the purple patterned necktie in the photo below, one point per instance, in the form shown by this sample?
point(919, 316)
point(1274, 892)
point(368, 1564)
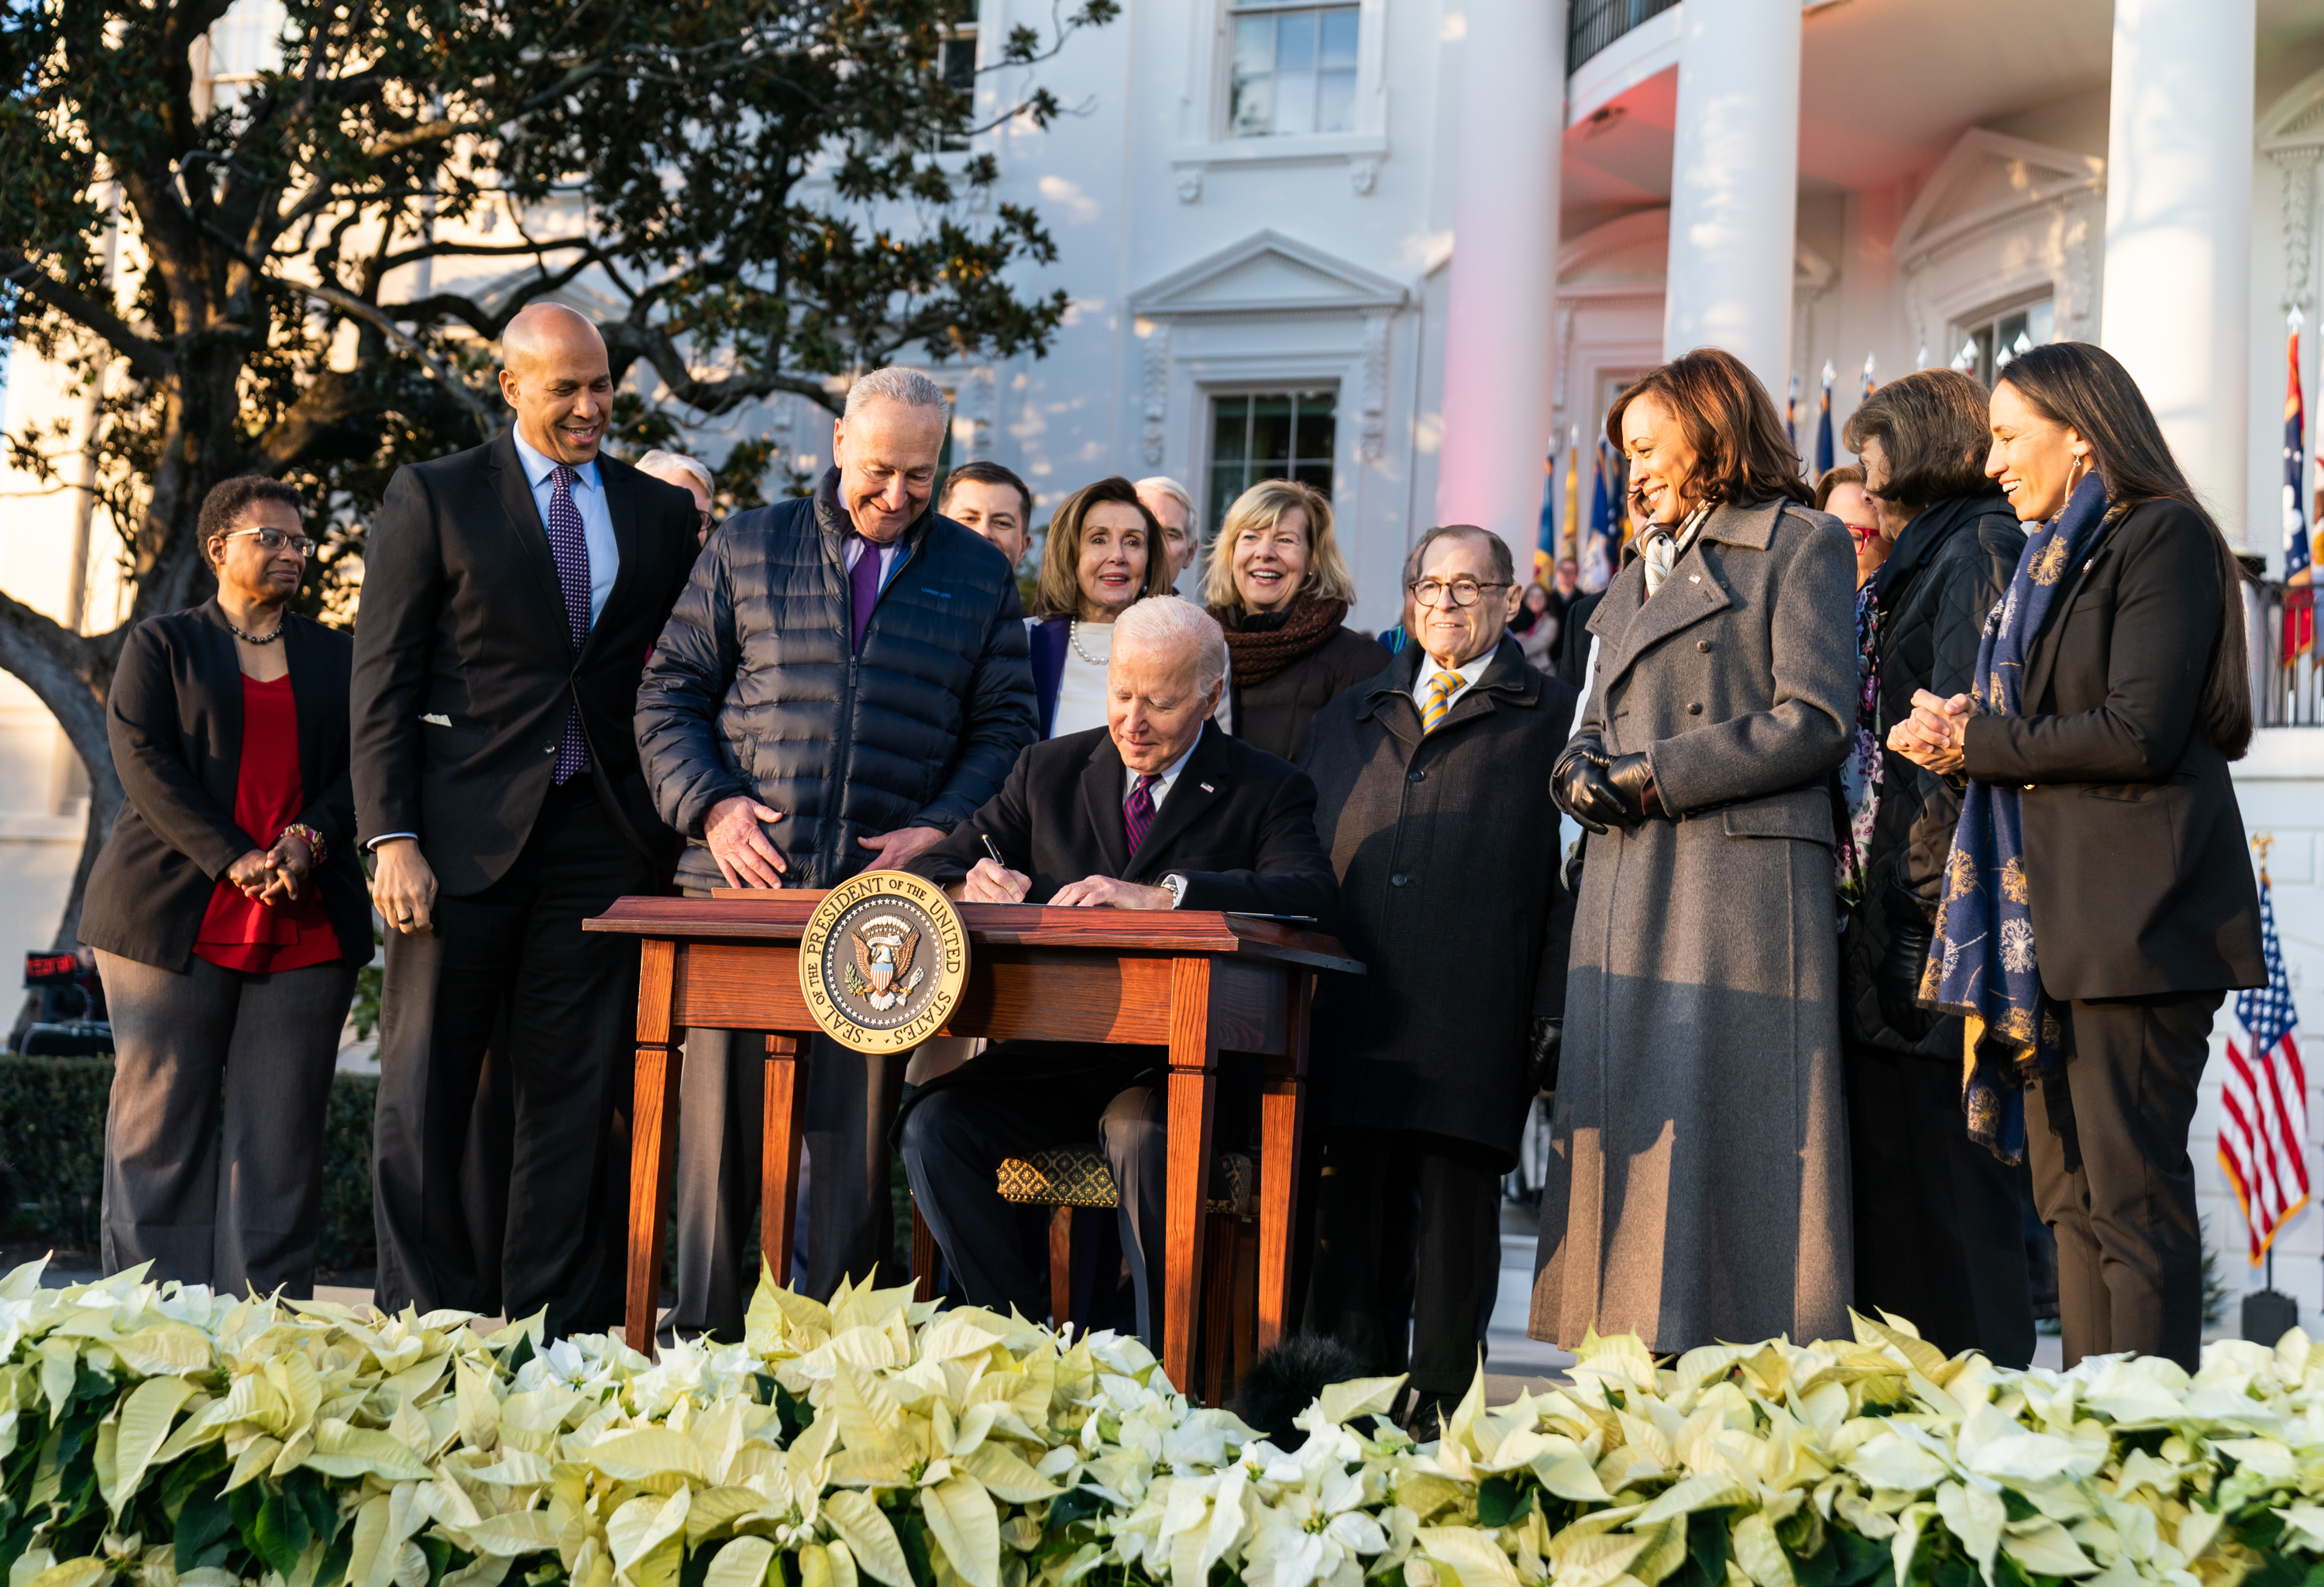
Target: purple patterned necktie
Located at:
point(863, 588)
point(570, 547)
point(1137, 811)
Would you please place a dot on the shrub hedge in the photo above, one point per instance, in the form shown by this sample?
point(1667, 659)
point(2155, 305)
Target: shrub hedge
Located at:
point(52, 1139)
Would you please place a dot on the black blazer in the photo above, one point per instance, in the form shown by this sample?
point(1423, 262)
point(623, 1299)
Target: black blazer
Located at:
point(174, 719)
point(2135, 853)
point(1239, 823)
point(464, 667)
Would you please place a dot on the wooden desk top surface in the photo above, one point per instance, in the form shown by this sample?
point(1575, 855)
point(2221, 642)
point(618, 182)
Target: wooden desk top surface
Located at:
point(781, 917)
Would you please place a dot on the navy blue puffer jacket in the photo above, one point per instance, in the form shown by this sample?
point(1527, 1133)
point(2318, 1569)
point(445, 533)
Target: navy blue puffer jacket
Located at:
point(753, 690)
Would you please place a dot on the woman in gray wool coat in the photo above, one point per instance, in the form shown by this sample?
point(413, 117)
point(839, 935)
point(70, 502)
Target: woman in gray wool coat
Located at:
point(1698, 1190)
point(1429, 782)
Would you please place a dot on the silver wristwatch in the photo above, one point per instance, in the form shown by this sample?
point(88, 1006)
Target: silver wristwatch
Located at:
point(1177, 886)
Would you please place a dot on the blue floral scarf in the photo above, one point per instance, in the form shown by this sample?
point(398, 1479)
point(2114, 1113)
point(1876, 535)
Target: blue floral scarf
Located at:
point(1859, 774)
point(1984, 966)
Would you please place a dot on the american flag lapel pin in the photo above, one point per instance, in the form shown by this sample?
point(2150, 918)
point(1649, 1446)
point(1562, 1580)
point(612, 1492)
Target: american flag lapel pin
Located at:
point(1208, 789)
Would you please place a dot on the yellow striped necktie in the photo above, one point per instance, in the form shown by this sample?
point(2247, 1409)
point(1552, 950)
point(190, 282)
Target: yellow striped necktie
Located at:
point(1441, 689)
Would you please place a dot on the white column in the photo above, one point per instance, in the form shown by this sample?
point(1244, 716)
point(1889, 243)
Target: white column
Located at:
point(1498, 341)
point(2177, 309)
point(1735, 171)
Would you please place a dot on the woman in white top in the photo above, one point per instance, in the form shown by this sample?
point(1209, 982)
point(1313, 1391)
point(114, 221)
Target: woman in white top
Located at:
point(1102, 553)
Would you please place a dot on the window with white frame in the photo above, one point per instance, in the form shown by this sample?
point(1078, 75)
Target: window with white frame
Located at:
point(244, 42)
point(1268, 435)
point(1989, 345)
point(1294, 70)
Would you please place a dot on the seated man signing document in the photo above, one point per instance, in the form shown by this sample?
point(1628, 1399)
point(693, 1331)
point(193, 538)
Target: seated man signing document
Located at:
point(1159, 810)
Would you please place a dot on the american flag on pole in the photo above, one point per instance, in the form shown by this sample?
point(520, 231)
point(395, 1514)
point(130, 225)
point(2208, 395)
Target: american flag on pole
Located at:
point(2263, 1136)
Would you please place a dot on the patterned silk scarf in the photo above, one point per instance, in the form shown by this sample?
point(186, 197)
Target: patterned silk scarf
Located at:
point(1984, 966)
point(1859, 774)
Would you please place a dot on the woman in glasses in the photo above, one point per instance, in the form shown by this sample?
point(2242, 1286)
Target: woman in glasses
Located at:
point(228, 913)
point(1699, 1183)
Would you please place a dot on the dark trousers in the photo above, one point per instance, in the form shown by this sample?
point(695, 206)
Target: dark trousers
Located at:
point(2107, 1137)
point(851, 1211)
point(1019, 1097)
point(1940, 1221)
point(1407, 1227)
point(214, 1137)
point(513, 958)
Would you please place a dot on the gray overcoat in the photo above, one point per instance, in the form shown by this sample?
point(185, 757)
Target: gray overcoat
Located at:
point(1698, 1190)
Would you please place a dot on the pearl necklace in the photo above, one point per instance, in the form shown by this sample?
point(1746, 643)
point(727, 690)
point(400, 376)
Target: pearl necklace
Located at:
point(1074, 634)
point(256, 639)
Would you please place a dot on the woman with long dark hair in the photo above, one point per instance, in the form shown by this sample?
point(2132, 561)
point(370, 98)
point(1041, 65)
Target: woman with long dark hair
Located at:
point(1699, 1189)
point(2097, 902)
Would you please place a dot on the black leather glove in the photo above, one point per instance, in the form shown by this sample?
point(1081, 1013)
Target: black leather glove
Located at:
point(1896, 978)
point(1541, 1063)
point(1579, 784)
point(1634, 783)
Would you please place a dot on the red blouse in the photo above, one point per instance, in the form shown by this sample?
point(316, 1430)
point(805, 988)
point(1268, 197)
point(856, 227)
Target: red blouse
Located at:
point(239, 933)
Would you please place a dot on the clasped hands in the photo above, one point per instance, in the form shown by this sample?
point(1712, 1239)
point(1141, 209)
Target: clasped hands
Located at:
point(1933, 736)
point(988, 882)
point(271, 876)
point(1599, 790)
point(735, 834)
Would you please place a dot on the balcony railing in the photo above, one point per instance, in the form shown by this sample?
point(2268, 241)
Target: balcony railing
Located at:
point(2286, 692)
point(1593, 24)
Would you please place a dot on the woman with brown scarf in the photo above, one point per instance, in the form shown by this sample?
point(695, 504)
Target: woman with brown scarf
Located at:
point(1279, 587)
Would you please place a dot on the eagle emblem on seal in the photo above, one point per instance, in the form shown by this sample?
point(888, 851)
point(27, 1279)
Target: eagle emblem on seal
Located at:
point(882, 974)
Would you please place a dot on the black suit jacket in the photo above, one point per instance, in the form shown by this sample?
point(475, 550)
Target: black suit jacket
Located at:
point(464, 667)
point(174, 719)
point(1239, 823)
point(2135, 853)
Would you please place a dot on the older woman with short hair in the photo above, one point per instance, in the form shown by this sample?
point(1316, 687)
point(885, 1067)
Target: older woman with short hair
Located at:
point(229, 914)
point(1278, 585)
point(1940, 1223)
point(1698, 1185)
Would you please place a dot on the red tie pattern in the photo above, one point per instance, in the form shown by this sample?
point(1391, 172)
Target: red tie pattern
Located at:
point(570, 548)
point(1137, 811)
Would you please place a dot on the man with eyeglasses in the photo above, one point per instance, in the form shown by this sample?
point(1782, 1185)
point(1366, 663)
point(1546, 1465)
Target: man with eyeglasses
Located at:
point(1433, 798)
point(511, 595)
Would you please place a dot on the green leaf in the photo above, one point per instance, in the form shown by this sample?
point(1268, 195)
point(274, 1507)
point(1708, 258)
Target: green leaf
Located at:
point(280, 1536)
point(1502, 1502)
point(202, 1522)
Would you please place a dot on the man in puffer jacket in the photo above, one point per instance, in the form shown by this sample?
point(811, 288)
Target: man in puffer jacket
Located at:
point(842, 683)
point(1939, 1219)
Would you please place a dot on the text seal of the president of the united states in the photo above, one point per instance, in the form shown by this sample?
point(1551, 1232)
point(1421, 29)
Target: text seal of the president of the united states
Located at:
point(883, 962)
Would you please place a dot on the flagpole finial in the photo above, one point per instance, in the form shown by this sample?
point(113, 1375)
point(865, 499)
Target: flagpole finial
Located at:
point(1870, 361)
point(2261, 842)
point(1828, 371)
point(2294, 319)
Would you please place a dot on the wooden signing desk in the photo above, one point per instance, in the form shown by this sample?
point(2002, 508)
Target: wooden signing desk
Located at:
point(1197, 981)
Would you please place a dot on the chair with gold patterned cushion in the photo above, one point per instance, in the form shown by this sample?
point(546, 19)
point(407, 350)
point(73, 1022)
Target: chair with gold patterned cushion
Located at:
point(1069, 1177)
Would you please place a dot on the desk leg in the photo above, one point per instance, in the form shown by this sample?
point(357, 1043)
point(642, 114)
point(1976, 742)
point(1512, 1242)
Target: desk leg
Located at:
point(1282, 1124)
point(779, 1152)
point(1194, 1087)
point(653, 1140)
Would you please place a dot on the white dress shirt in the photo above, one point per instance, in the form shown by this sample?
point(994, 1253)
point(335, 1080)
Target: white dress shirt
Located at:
point(1169, 777)
point(887, 555)
point(597, 517)
point(1470, 672)
point(1082, 684)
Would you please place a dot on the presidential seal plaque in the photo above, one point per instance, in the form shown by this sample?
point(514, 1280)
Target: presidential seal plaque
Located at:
point(883, 962)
